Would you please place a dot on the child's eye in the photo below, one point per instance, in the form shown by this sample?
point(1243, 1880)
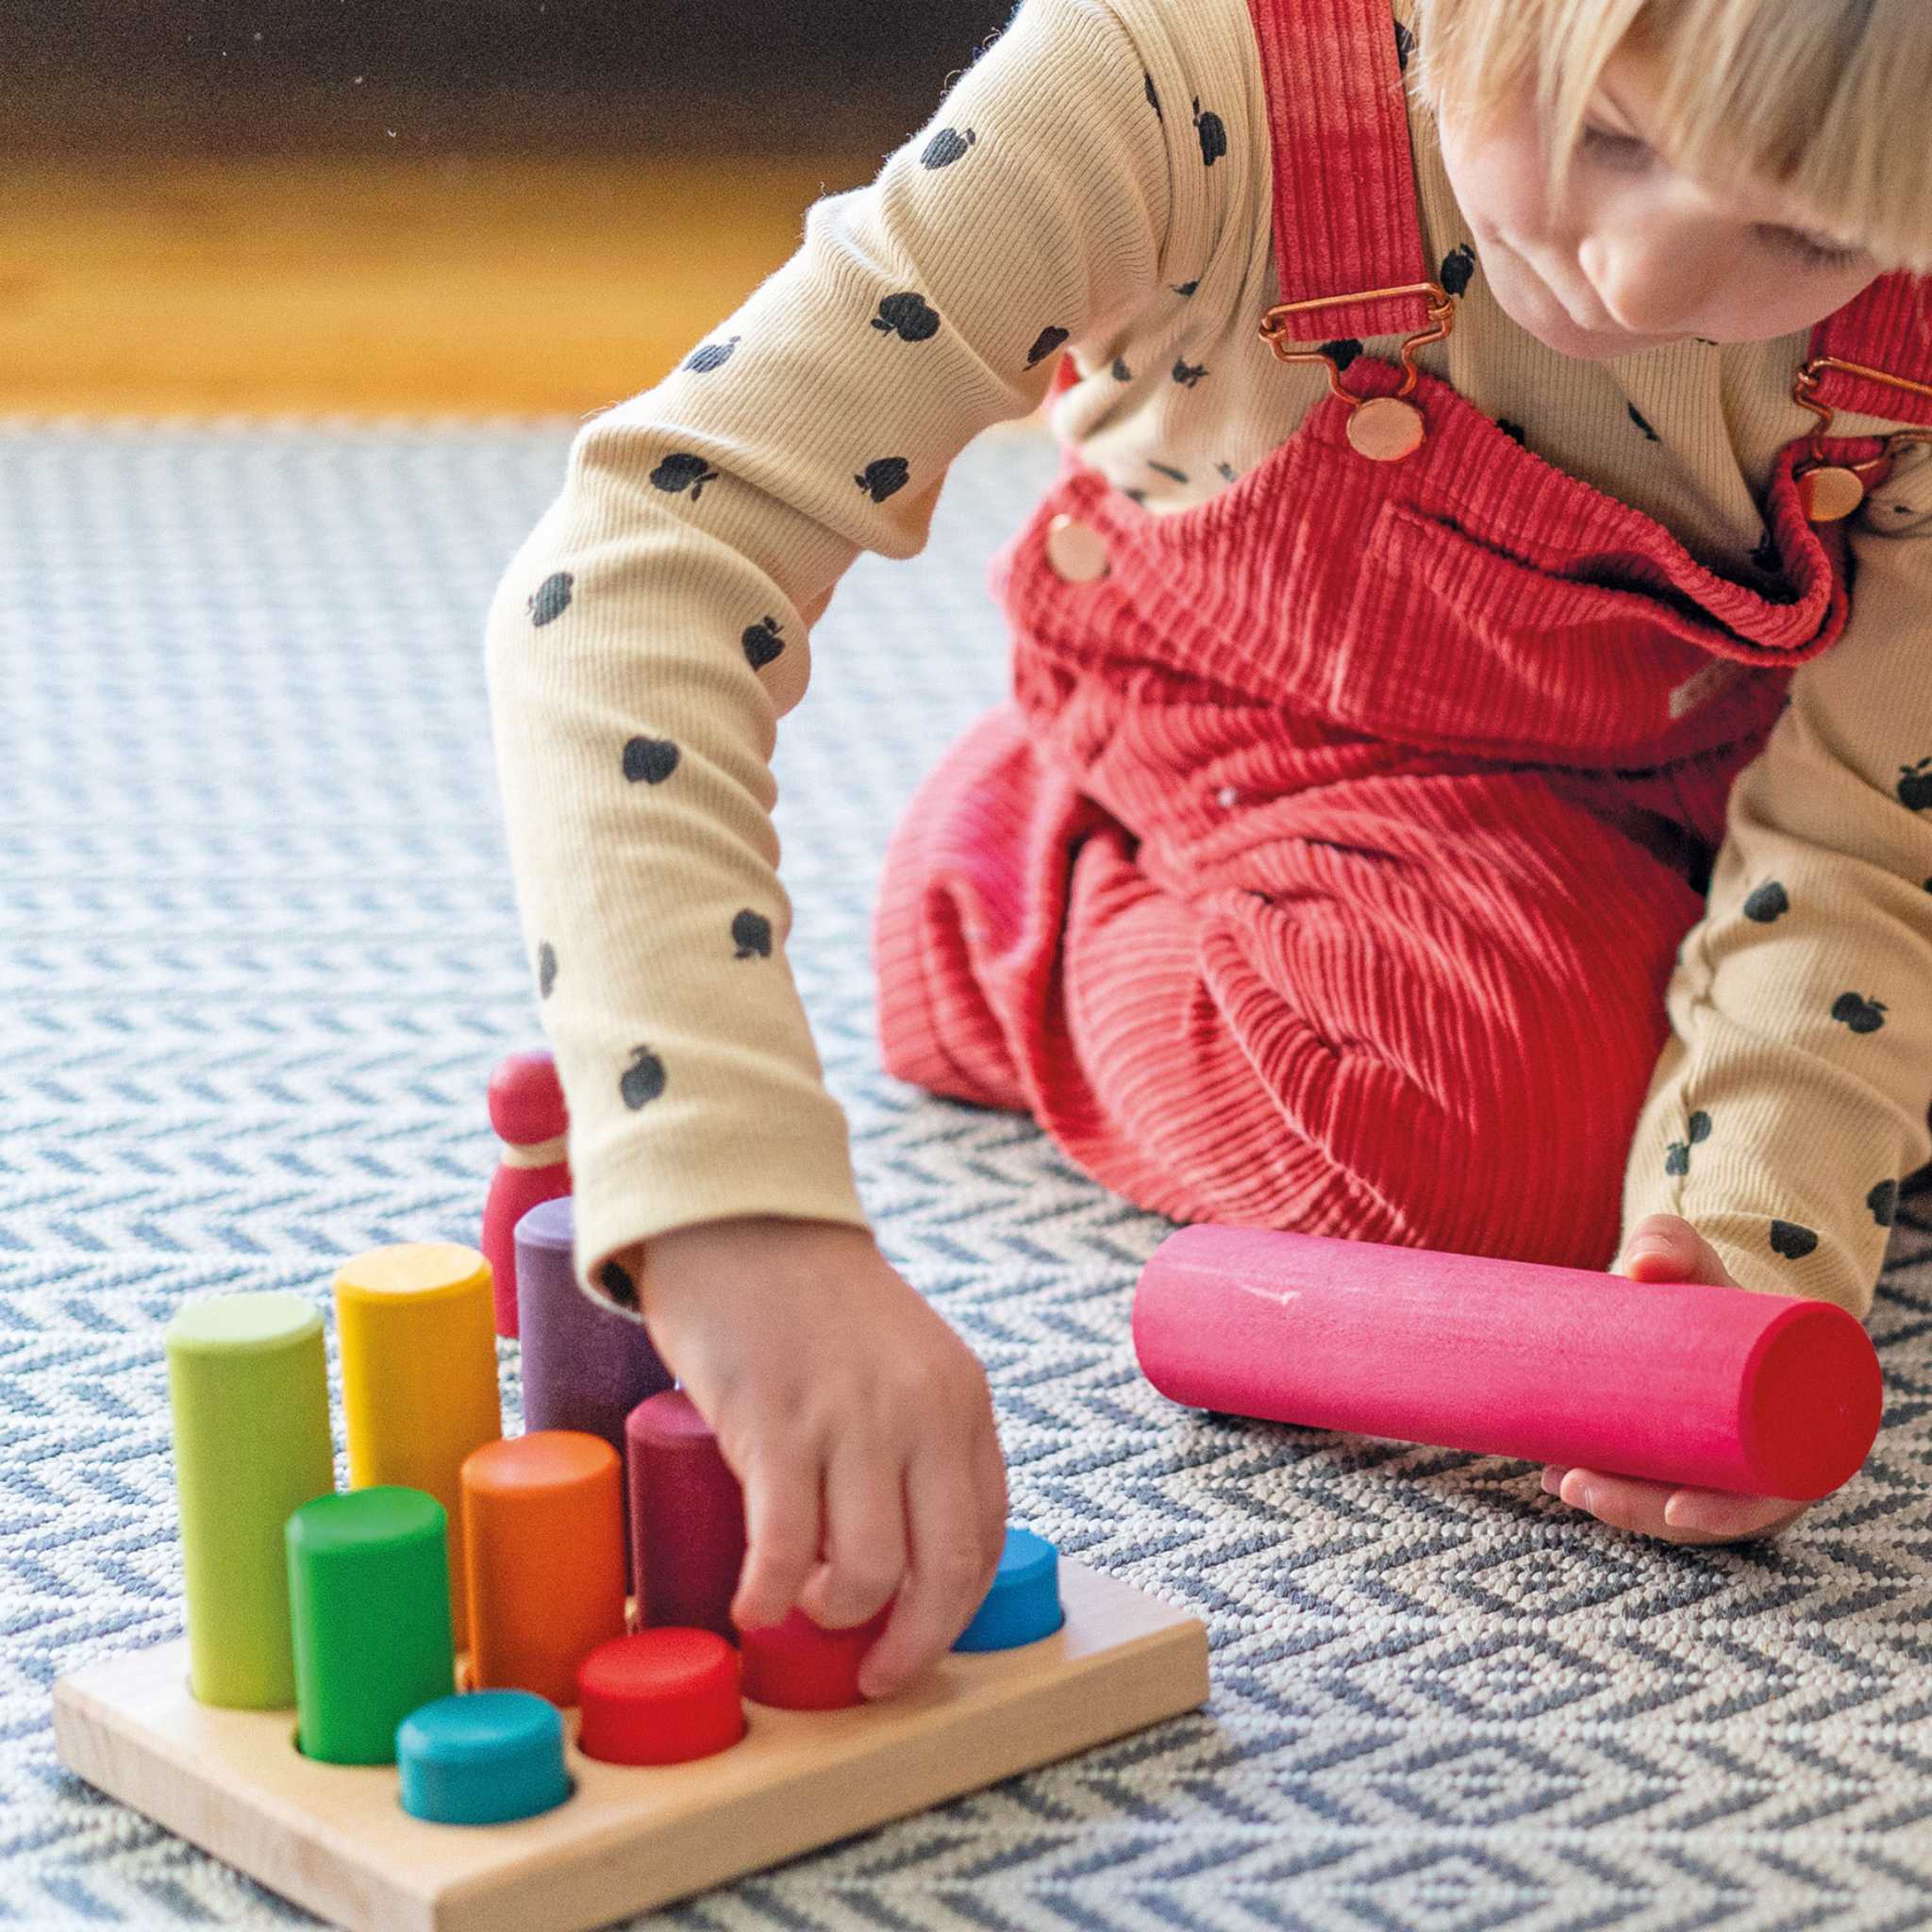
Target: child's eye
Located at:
point(1812, 254)
point(1626, 151)
point(1620, 150)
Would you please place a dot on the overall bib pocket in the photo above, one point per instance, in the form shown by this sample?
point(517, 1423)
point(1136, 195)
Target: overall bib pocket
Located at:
point(1453, 644)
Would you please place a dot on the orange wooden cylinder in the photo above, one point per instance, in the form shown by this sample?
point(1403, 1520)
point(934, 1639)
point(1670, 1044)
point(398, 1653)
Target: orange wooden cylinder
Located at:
point(543, 1539)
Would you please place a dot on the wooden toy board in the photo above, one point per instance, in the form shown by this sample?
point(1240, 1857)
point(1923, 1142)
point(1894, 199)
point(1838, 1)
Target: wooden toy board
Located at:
point(335, 1838)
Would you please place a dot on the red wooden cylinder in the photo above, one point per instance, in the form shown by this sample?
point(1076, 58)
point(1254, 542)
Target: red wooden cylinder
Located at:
point(797, 1666)
point(1714, 1387)
point(660, 1697)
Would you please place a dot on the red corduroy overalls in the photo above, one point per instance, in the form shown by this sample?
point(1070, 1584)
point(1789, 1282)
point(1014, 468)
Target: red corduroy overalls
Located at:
point(1328, 869)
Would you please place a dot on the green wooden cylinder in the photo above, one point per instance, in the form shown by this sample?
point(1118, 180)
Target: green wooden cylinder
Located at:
point(369, 1581)
point(248, 1387)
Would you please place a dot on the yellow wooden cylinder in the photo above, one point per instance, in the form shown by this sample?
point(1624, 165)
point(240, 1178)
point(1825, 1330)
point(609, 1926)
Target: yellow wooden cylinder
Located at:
point(417, 1328)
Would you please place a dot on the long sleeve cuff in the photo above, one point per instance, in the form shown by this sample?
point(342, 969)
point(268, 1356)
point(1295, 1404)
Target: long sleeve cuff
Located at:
point(1781, 1225)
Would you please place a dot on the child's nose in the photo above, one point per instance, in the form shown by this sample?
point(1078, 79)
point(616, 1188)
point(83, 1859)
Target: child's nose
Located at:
point(1651, 280)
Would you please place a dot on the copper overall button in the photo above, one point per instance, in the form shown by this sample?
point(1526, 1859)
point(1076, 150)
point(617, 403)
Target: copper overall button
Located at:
point(1075, 550)
point(1828, 492)
point(1386, 429)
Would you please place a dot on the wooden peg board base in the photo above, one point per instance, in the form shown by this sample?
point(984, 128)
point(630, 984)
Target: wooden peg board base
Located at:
point(335, 1838)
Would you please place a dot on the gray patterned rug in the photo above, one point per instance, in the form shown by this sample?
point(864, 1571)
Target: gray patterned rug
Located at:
point(259, 958)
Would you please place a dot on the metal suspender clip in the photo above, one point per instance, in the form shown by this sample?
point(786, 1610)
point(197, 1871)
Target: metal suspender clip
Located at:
point(1384, 428)
point(1831, 491)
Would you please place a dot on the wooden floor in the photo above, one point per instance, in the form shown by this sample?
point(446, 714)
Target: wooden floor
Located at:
point(417, 285)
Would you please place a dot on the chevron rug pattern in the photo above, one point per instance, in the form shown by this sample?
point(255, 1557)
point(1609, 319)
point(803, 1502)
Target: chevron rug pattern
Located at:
point(259, 958)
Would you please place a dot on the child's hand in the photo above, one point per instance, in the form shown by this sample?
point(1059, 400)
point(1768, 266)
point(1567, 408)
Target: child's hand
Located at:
point(859, 1426)
point(1666, 1248)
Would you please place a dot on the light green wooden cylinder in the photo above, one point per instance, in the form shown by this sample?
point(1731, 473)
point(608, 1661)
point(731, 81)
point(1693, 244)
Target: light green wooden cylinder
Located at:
point(248, 1385)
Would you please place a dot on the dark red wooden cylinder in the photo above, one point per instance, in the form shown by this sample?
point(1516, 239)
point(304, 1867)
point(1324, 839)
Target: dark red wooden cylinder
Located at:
point(687, 1517)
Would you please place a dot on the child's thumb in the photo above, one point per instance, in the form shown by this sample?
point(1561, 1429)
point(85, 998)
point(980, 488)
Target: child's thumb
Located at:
point(1665, 1247)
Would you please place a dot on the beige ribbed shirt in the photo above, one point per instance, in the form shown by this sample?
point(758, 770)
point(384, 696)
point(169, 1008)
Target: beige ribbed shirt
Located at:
point(655, 625)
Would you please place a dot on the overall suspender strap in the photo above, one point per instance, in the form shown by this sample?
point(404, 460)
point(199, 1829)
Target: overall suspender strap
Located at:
point(1874, 355)
point(1345, 224)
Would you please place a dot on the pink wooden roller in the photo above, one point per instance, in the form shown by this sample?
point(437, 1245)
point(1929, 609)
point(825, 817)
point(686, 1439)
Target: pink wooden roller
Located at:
point(1714, 1387)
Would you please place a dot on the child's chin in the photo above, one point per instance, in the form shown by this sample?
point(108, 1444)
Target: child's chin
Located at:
point(1580, 347)
point(1538, 314)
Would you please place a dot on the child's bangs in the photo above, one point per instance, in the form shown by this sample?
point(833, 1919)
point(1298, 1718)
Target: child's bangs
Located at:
point(1824, 99)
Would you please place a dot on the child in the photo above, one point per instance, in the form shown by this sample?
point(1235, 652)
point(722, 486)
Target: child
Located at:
point(1453, 509)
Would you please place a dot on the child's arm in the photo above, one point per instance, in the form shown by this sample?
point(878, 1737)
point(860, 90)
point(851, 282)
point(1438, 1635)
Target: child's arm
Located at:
point(1791, 1098)
point(655, 625)
point(642, 645)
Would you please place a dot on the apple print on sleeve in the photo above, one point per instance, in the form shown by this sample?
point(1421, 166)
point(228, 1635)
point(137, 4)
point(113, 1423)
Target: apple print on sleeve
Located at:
point(1044, 343)
point(1791, 1241)
point(1883, 1202)
point(1677, 1155)
point(946, 146)
point(882, 477)
point(681, 472)
point(762, 643)
point(1860, 1015)
point(551, 598)
point(1213, 135)
point(649, 761)
point(1769, 902)
point(643, 1079)
point(908, 317)
point(751, 933)
point(1915, 785)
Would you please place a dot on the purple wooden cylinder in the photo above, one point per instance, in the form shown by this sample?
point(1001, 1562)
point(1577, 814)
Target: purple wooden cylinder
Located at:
point(585, 1366)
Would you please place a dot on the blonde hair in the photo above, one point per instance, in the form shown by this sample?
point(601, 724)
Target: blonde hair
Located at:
point(1824, 99)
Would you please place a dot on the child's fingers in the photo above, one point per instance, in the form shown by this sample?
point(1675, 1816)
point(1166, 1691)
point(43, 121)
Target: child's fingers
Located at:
point(864, 1536)
point(989, 1474)
point(782, 1527)
point(1713, 1512)
point(1623, 1501)
point(1672, 1513)
point(989, 1478)
point(945, 1577)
